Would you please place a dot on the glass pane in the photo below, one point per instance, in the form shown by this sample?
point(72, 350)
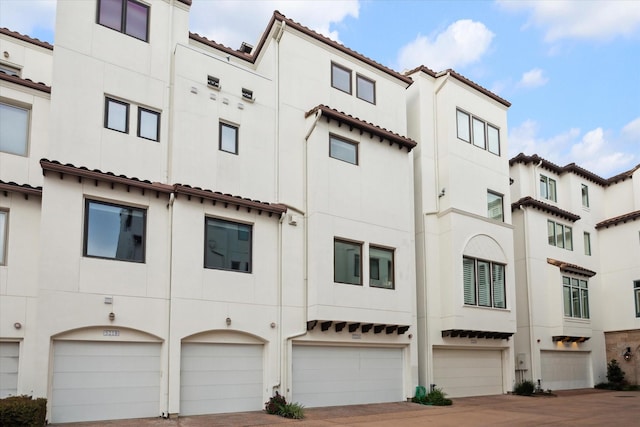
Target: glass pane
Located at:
point(340, 78)
point(343, 150)
point(3, 236)
point(560, 235)
point(575, 302)
point(493, 136)
point(585, 303)
point(587, 244)
point(543, 187)
point(346, 262)
point(114, 231)
point(585, 196)
point(637, 292)
point(110, 14)
point(227, 245)
point(552, 189)
point(478, 133)
point(463, 126)
point(499, 300)
point(228, 138)
point(148, 124)
point(381, 268)
point(567, 300)
point(568, 238)
point(469, 278)
point(14, 129)
point(551, 231)
point(117, 116)
point(484, 283)
point(365, 89)
point(494, 206)
point(137, 19)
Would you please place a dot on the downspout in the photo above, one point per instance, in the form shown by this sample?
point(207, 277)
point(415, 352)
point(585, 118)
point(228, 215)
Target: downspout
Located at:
point(528, 281)
point(172, 198)
point(536, 185)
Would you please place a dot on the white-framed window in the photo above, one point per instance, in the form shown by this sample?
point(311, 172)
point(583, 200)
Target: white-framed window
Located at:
point(365, 89)
point(548, 188)
point(381, 267)
point(587, 243)
point(484, 283)
point(227, 245)
point(585, 195)
point(114, 231)
point(341, 78)
point(342, 149)
point(576, 297)
point(494, 206)
point(10, 70)
point(228, 137)
point(116, 115)
point(148, 124)
point(636, 295)
point(560, 235)
point(14, 129)
point(347, 262)
point(4, 216)
point(126, 16)
point(478, 132)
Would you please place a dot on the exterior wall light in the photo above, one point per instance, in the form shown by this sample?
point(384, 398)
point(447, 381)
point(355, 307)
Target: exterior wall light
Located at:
point(112, 316)
point(228, 320)
point(627, 354)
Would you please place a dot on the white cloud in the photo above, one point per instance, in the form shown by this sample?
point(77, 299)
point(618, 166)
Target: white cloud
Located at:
point(596, 150)
point(533, 78)
point(596, 19)
point(462, 43)
point(233, 22)
point(631, 130)
point(35, 18)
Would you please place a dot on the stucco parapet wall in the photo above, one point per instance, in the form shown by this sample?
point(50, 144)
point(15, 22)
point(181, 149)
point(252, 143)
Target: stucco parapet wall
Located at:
point(531, 202)
point(25, 38)
point(461, 78)
point(631, 216)
point(228, 199)
point(566, 267)
point(354, 122)
point(26, 189)
point(278, 17)
point(573, 168)
point(24, 82)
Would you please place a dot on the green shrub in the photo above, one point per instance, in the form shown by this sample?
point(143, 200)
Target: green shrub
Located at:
point(524, 388)
point(277, 405)
point(435, 397)
point(18, 411)
point(615, 374)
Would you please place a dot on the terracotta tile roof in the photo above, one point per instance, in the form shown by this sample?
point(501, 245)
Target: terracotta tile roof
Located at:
point(27, 39)
point(546, 207)
point(26, 189)
point(631, 216)
point(24, 82)
point(573, 168)
point(357, 123)
point(278, 17)
point(566, 267)
point(228, 199)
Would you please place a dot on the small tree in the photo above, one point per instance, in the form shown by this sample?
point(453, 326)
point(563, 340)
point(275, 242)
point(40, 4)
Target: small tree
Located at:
point(615, 374)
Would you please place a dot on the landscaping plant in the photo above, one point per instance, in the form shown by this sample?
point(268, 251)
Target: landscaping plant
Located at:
point(435, 397)
point(277, 405)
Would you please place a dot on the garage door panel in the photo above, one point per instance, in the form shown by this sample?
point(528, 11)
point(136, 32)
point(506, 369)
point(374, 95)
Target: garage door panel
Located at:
point(9, 353)
point(113, 363)
point(196, 378)
point(221, 391)
point(104, 379)
point(564, 370)
point(462, 372)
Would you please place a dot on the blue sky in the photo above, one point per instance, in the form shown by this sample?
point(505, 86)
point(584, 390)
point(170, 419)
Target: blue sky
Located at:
point(571, 69)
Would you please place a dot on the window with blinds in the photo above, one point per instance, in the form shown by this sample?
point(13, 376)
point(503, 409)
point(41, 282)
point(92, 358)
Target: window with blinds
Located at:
point(484, 283)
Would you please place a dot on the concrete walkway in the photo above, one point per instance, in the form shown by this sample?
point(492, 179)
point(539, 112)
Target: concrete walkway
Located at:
point(587, 407)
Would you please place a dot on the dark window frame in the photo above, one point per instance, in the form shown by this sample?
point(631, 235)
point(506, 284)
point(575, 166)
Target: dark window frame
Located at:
point(491, 285)
point(391, 267)
point(346, 142)
point(469, 127)
point(357, 272)
point(343, 68)
point(236, 141)
point(123, 18)
point(157, 115)
point(244, 233)
point(586, 237)
point(501, 198)
point(27, 131)
point(636, 291)
point(373, 86)
point(107, 101)
point(584, 190)
point(546, 185)
point(556, 242)
point(573, 286)
point(4, 235)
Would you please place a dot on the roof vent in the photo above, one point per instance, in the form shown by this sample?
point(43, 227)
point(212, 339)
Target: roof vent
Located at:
point(246, 48)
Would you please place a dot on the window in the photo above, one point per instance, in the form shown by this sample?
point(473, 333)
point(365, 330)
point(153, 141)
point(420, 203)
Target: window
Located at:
point(9, 70)
point(346, 262)
point(636, 293)
point(547, 188)
point(148, 124)
point(585, 196)
point(484, 283)
point(127, 16)
point(116, 115)
point(14, 129)
point(247, 94)
point(381, 267)
point(213, 82)
point(341, 78)
point(494, 206)
point(475, 130)
point(587, 243)
point(114, 231)
point(343, 150)
point(365, 89)
point(576, 297)
point(559, 235)
point(3, 236)
point(228, 138)
point(227, 245)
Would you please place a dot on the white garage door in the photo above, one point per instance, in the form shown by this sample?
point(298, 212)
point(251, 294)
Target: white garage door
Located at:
point(9, 352)
point(218, 378)
point(105, 380)
point(563, 370)
point(462, 373)
point(328, 376)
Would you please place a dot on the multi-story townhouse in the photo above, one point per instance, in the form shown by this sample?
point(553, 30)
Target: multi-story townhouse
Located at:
point(576, 254)
point(464, 237)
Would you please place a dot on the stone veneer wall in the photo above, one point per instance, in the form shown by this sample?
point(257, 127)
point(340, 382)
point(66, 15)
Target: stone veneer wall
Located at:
point(616, 345)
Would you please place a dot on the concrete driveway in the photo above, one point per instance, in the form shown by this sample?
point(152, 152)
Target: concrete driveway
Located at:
point(587, 407)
